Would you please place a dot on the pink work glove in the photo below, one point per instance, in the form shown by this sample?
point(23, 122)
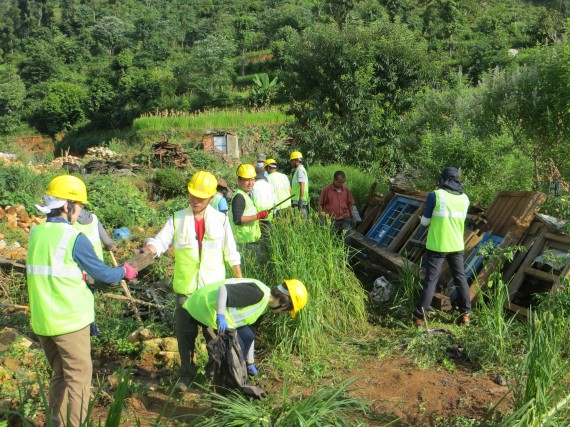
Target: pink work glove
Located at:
point(130, 272)
point(262, 215)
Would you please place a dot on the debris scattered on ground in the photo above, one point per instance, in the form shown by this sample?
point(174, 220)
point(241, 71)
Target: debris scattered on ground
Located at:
point(170, 154)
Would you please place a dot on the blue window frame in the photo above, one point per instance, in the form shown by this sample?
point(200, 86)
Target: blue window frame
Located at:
point(393, 220)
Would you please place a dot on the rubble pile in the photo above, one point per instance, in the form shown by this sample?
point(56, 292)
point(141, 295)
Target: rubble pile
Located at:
point(94, 153)
point(168, 153)
point(16, 218)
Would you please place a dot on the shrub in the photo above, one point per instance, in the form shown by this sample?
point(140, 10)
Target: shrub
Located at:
point(118, 202)
point(22, 186)
point(171, 182)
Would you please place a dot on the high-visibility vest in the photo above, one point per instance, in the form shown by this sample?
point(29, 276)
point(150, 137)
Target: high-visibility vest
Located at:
point(92, 233)
point(60, 301)
point(192, 268)
point(263, 196)
point(202, 305)
point(250, 232)
point(282, 188)
point(216, 201)
point(447, 222)
point(296, 186)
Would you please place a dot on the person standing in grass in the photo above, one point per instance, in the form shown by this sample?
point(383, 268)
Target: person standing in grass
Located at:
point(299, 183)
point(263, 196)
point(88, 224)
point(61, 304)
point(239, 304)
point(244, 215)
point(336, 201)
point(445, 213)
point(280, 183)
point(203, 240)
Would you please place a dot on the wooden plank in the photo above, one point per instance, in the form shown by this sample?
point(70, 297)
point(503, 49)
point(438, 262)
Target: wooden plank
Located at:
point(532, 253)
point(369, 197)
point(389, 261)
point(543, 276)
point(528, 240)
point(558, 238)
point(141, 261)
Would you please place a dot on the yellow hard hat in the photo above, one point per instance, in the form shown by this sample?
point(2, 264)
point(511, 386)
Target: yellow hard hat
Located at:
point(298, 294)
point(296, 155)
point(68, 187)
point(246, 171)
point(203, 185)
point(270, 162)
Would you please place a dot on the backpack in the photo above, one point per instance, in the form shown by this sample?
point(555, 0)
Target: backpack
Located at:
point(230, 369)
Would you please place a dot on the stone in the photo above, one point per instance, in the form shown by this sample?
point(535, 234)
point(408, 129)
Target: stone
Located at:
point(169, 344)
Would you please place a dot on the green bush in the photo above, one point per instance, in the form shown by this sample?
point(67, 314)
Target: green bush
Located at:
point(23, 186)
point(166, 209)
point(171, 182)
point(119, 203)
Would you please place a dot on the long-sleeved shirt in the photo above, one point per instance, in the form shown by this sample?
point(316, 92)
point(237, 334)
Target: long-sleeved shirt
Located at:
point(165, 238)
point(338, 204)
point(84, 255)
point(86, 217)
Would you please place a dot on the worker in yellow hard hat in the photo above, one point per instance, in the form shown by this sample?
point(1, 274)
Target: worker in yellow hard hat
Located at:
point(281, 185)
point(239, 304)
point(299, 183)
point(203, 240)
point(61, 304)
point(243, 213)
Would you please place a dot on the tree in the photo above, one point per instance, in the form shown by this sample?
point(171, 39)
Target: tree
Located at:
point(110, 33)
point(12, 95)
point(61, 108)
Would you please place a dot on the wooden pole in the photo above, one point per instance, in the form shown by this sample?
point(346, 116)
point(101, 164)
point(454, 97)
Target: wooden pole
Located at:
point(133, 300)
point(126, 290)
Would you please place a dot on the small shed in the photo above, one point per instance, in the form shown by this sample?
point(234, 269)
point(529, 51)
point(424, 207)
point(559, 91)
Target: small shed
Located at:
point(222, 142)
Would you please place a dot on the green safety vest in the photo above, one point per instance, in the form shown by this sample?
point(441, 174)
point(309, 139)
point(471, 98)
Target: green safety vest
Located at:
point(282, 188)
point(202, 305)
point(447, 222)
point(297, 186)
point(250, 232)
point(264, 197)
point(216, 200)
point(60, 301)
point(193, 269)
point(92, 233)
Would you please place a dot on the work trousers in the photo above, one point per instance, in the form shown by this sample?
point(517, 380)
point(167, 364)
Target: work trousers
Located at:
point(186, 330)
point(434, 262)
point(303, 208)
point(69, 357)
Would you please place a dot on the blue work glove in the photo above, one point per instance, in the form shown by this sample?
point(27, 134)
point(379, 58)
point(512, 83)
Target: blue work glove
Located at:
point(252, 371)
point(221, 321)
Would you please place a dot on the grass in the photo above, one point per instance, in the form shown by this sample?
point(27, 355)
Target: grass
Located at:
point(328, 406)
point(336, 308)
point(210, 120)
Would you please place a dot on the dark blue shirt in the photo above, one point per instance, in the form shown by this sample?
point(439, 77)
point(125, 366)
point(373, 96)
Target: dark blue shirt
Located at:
point(430, 205)
point(84, 255)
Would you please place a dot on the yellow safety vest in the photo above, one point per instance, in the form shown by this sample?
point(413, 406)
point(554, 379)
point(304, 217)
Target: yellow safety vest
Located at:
point(92, 233)
point(60, 301)
point(202, 305)
point(193, 269)
point(250, 232)
point(296, 186)
point(447, 225)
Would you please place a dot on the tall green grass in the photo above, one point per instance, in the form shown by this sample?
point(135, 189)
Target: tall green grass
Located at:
point(328, 406)
point(541, 381)
point(218, 119)
point(314, 254)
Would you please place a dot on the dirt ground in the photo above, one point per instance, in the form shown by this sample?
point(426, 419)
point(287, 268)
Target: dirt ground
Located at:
point(398, 391)
point(425, 397)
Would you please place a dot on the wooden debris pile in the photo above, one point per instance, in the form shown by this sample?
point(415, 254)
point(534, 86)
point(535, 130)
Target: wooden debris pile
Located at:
point(16, 218)
point(391, 237)
point(170, 154)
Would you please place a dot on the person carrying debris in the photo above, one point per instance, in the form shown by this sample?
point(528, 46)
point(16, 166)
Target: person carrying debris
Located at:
point(445, 212)
point(203, 240)
point(219, 201)
point(263, 196)
point(239, 304)
point(281, 185)
point(244, 215)
point(61, 305)
point(336, 201)
point(299, 183)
